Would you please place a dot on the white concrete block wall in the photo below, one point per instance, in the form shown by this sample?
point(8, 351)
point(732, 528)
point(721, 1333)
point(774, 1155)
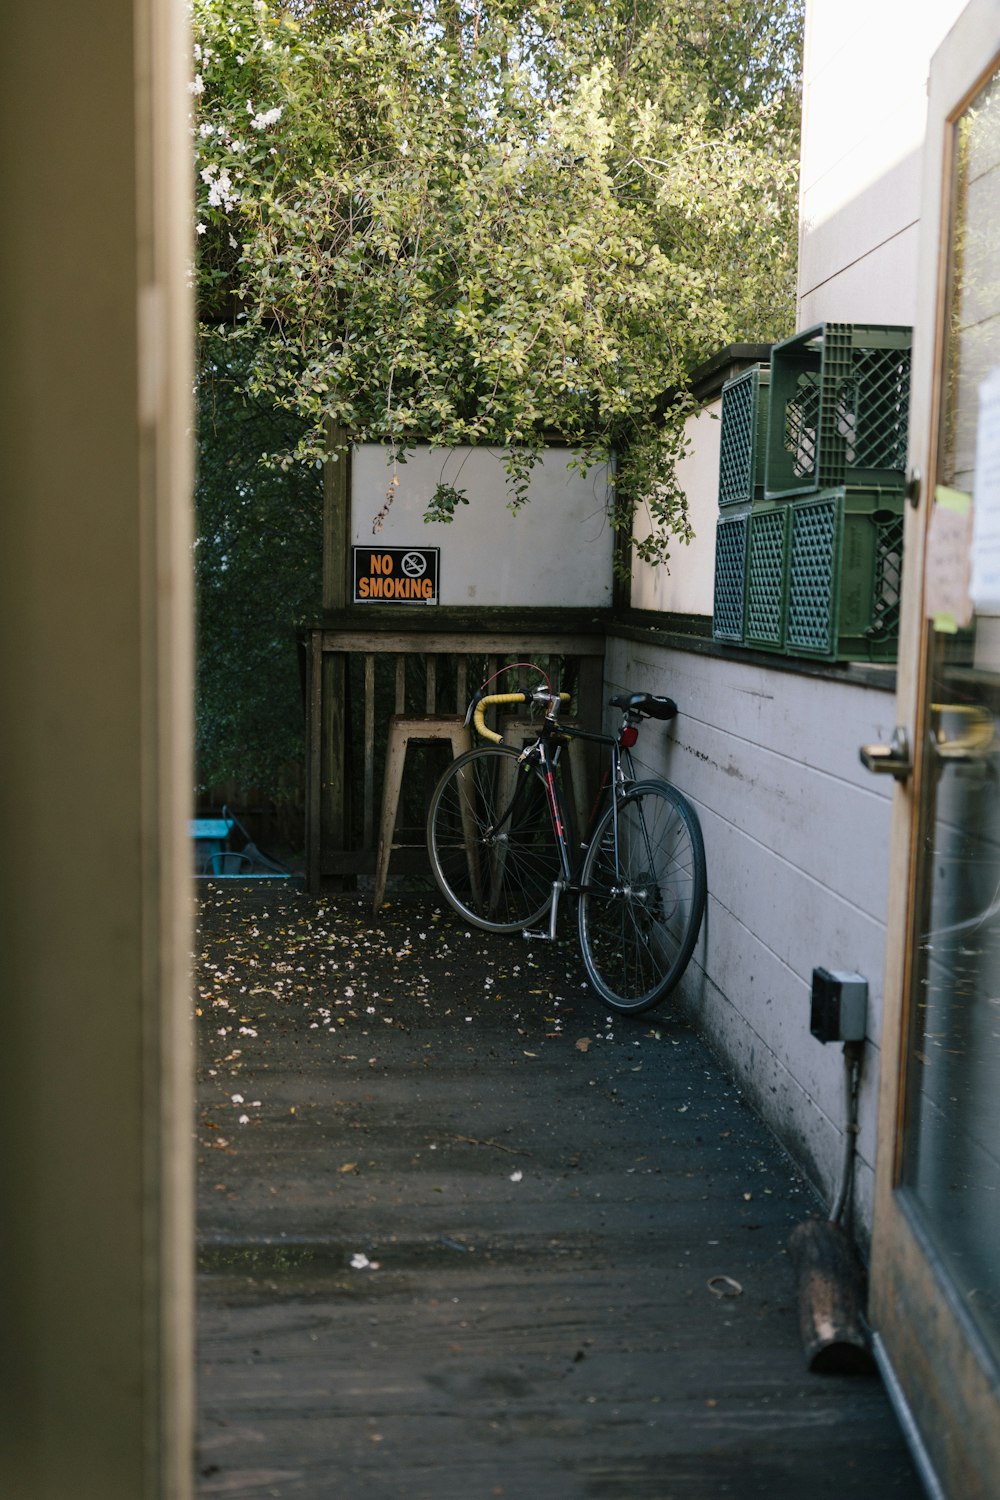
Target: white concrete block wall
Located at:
point(796, 831)
point(796, 836)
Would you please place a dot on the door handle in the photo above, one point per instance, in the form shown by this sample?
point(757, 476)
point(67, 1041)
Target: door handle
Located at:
point(961, 731)
point(893, 759)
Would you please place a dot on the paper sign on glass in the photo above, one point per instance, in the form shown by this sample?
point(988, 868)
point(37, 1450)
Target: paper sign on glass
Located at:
point(948, 562)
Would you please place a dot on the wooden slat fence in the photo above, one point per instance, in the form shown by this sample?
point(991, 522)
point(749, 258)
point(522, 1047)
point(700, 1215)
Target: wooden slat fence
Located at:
point(356, 680)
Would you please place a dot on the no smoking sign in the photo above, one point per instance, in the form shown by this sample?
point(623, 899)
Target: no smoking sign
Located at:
point(396, 575)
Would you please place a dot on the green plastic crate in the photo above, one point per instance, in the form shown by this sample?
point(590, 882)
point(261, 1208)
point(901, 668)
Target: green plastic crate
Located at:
point(845, 563)
point(743, 443)
point(730, 578)
point(838, 409)
point(767, 577)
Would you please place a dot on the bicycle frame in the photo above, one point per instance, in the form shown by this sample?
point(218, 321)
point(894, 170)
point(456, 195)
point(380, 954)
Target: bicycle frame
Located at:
point(619, 774)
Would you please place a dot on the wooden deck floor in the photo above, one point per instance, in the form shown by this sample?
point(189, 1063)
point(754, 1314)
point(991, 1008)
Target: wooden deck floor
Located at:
point(458, 1230)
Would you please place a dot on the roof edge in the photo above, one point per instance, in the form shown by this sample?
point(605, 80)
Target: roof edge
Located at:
point(706, 380)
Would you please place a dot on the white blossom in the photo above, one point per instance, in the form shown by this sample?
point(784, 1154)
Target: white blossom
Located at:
point(197, 85)
point(221, 193)
point(267, 117)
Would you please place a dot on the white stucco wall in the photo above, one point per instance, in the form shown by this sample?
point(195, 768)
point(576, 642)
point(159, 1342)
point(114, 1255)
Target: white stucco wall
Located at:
point(864, 112)
point(685, 585)
point(556, 551)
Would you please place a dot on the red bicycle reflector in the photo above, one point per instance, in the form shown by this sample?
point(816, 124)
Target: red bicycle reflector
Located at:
point(629, 736)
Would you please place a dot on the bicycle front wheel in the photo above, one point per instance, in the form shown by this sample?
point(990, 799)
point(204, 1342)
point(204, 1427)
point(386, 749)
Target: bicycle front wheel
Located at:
point(490, 839)
point(643, 897)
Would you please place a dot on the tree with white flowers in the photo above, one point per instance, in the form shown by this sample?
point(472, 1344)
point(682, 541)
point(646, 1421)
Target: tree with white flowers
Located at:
point(483, 224)
point(469, 222)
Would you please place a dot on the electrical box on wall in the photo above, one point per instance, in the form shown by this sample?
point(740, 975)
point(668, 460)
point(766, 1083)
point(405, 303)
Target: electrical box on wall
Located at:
point(839, 1006)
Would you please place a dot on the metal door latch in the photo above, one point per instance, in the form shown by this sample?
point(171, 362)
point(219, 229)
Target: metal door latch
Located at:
point(893, 759)
point(913, 487)
point(961, 731)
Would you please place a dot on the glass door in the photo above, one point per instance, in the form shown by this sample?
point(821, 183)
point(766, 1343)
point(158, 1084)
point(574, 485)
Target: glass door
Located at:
point(935, 1304)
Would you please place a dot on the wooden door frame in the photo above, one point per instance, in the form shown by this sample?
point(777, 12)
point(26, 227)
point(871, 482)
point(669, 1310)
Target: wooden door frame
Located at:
point(948, 1406)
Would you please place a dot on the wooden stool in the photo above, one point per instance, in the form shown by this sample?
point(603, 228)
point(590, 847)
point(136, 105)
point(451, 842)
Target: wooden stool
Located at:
point(405, 729)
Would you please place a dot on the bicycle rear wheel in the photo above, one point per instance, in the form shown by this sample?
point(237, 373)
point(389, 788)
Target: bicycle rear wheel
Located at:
point(643, 897)
point(490, 839)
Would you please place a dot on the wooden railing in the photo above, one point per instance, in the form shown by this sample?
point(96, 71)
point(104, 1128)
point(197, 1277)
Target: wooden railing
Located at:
point(357, 677)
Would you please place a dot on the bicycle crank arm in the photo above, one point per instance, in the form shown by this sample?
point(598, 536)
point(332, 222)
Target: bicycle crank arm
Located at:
point(550, 936)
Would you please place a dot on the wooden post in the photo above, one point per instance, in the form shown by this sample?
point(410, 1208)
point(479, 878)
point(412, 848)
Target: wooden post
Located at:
point(368, 838)
point(590, 696)
point(621, 577)
point(314, 761)
point(328, 751)
point(336, 521)
point(335, 771)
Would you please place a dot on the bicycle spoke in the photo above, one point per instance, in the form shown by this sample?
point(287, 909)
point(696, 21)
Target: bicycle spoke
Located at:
point(490, 839)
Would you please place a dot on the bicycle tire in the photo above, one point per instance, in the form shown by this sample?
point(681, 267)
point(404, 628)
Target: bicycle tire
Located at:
point(638, 929)
point(490, 839)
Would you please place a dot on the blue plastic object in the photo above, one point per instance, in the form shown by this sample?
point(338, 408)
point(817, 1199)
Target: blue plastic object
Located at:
point(210, 835)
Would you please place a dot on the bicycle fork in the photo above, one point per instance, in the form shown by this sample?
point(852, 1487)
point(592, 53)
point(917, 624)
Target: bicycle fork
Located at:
point(563, 881)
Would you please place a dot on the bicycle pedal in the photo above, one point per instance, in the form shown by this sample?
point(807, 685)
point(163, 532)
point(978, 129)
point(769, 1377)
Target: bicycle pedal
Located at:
point(544, 937)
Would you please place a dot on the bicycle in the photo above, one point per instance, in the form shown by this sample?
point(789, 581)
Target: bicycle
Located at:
point(501, 851)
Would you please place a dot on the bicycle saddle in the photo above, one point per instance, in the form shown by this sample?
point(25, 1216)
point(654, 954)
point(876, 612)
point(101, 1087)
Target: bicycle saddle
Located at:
point(647, 704)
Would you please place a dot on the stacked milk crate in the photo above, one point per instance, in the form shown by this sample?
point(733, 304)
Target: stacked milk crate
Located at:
point(809, 543)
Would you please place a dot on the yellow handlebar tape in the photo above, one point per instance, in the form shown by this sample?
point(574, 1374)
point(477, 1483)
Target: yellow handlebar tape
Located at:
point(478, 717)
